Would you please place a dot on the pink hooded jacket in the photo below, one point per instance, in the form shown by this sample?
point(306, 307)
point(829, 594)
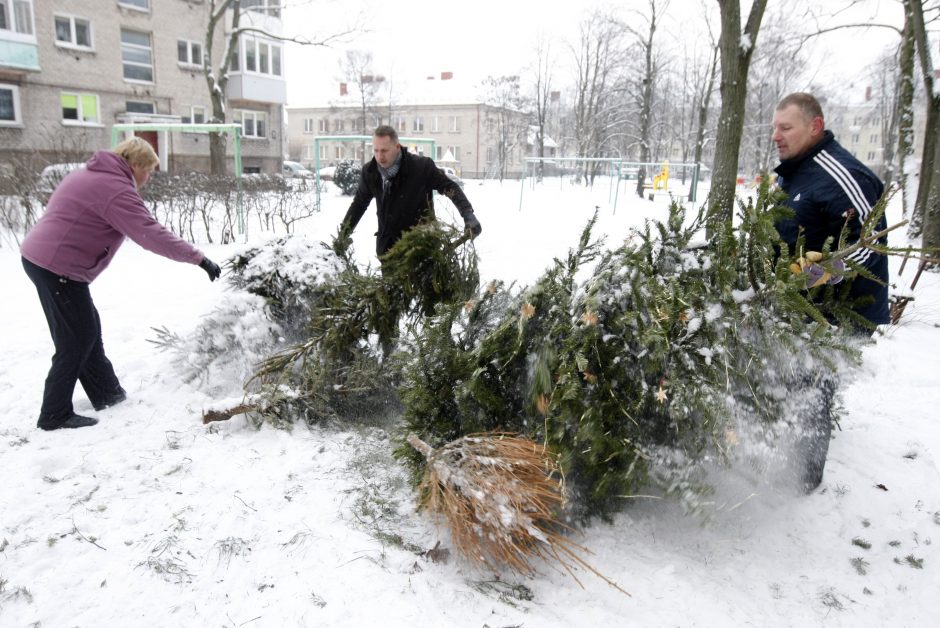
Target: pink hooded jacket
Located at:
point(88, 217)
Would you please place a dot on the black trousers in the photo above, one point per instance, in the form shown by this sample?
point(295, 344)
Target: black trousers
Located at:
point(79, 353)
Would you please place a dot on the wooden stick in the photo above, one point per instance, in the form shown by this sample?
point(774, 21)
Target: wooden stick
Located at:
point(224, 415)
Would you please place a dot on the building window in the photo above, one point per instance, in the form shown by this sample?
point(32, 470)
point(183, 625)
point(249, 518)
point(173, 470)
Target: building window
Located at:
point(435, 124)
point(338, 152)
point(270, 7)
point(308, 125)
point(339, 126)
point(323, 125)
point(137, 56)
point(455, 151)
point(455, 124)
point(16, 16)
point(72, 32)
point(254, 123)
point(438, 153)
point(324, 151)
point(136, 106)
point(79, 108)
point(418, 124)
point(197, 115)
point(262, 57)
point(140, 5)
point(871, 155)
point(9, 105)
point(401, 124)
point(873, 139)
point(188, 52)
point(855, 138)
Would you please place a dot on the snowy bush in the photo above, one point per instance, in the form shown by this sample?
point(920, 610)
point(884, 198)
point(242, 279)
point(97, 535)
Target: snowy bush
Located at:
point(346, 176)
point(289, 273)
point(195, 205)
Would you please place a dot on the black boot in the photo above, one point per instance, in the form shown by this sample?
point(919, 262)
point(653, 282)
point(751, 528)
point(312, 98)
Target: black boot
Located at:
point(74, 421)
point(113, 400)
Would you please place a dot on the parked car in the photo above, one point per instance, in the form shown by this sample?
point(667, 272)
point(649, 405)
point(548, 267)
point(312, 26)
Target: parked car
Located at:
point(50, 177)
point(326, 173)
point(452, 175)
point(295, 169)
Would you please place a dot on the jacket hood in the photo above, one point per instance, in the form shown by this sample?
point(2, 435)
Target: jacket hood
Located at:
point(106, 161)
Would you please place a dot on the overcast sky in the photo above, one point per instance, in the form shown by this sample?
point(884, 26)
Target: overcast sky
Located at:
point(412, 39)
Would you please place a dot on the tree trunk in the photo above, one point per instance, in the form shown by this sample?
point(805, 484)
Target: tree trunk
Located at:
point(704, 108)
point(931, 207)
point(928, 190)
point(646, 110)
point(736, 55)
point(905, 115)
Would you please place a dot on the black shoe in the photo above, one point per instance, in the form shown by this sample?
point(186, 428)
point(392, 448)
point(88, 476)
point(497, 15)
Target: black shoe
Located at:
point(113, 400)
point(74, 421)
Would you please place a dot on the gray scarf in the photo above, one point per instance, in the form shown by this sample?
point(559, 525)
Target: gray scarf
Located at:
point(389, 173)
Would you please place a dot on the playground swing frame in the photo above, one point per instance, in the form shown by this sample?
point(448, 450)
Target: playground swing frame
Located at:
point(235, 130)
point(619, 164)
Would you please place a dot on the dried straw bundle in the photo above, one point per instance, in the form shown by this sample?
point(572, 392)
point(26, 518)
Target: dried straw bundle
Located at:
point(499, 495)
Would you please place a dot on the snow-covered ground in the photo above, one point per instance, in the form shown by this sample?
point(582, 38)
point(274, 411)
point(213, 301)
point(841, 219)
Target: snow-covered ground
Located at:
point(151, 518)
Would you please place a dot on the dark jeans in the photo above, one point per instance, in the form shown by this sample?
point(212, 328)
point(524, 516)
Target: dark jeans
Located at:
point(812, 445)
point(79, 353)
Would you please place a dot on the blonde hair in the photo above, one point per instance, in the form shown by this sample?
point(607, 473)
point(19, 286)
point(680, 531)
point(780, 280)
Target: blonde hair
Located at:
point(137, 152)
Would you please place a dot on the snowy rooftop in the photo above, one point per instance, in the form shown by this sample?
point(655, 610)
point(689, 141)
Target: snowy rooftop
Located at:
point(432, 90)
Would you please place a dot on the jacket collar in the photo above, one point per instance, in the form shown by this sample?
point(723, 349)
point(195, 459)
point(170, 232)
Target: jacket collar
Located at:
point(788, 166)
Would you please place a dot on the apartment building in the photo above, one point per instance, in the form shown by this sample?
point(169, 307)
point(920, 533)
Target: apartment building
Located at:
point(474, 138)
point(70, 69)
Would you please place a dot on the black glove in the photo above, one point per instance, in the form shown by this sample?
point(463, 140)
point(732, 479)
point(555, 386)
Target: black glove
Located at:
point(342, 241)
point(212, 269)
point(471, 224)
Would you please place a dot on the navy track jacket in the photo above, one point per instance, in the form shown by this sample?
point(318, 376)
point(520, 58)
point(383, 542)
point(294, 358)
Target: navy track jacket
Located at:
point(827, 186)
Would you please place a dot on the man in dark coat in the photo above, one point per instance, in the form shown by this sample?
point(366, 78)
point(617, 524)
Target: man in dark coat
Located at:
point(827, 189)
point(402, 185)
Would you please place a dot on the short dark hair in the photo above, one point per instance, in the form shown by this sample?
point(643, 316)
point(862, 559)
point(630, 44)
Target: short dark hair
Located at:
point(807, 103)
point(386, 131)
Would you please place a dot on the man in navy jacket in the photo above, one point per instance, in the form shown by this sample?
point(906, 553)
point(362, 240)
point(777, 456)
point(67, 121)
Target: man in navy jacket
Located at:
point(828, 188)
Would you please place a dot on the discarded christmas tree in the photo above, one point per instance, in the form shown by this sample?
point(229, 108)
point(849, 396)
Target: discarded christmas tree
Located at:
point(639, 375)
point(351, 318)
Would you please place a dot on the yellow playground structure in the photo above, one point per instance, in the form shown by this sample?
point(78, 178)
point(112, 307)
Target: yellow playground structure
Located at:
point(662, 179)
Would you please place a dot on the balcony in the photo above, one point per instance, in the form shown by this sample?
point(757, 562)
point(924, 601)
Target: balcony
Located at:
point(257, 88)
point(18, 53)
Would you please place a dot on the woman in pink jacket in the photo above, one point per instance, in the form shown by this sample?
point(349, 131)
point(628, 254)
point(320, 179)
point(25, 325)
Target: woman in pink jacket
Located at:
point(88, 216)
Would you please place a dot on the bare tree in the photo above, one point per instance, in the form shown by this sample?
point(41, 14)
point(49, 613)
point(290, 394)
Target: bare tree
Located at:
point(776, 67)
point(367, 85)
point(597, 56)
point(645, 93)
point(905, 109)
point(542, 96)
point(506, 124)
point(737, 49)
point(229, 17)
point(928, 193)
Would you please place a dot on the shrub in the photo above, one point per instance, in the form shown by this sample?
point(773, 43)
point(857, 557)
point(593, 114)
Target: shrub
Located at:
point(347, 176)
